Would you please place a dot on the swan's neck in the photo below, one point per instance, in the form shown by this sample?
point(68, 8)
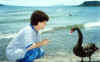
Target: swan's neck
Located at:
point(80, 39)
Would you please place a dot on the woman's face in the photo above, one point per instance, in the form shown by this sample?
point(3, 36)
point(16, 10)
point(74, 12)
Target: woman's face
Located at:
point(42, 24)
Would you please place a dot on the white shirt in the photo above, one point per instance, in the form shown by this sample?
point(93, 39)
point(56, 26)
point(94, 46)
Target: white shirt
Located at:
point(16, 49)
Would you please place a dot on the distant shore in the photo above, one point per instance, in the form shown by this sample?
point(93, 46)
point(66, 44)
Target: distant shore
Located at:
point(90, 3)
point(1, 5)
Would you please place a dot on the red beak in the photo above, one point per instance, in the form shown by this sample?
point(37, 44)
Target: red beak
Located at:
point(71, 31)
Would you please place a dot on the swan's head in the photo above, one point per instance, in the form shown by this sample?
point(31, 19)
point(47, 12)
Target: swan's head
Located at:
point(74, 29)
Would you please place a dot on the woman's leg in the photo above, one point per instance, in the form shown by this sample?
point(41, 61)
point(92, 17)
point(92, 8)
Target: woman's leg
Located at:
point(40, 53)
point(30, 55)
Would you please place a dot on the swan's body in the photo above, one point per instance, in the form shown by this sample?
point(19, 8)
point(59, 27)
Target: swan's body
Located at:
point(81, 51)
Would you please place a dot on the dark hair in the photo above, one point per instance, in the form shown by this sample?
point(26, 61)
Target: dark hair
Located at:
point(38, 16)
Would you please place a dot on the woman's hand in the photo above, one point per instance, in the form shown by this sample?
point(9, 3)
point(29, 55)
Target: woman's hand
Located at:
point(45, 42)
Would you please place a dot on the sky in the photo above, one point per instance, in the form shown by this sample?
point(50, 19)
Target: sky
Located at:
point(41, 2)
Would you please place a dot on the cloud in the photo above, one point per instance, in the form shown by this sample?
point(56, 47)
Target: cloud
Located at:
point(40, 2)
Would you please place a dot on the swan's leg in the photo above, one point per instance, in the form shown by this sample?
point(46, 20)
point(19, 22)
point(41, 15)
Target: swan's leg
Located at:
point(90, 59)
point(82, 59)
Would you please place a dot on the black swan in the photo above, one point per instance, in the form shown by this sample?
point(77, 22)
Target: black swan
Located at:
point(81, 51)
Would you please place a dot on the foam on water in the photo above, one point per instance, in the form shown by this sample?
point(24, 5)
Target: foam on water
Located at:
point(48, 29)
point(7, 35)
point(70, 58)
point(92, 25)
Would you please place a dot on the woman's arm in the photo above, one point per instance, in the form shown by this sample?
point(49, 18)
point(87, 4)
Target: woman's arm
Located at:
point(38, 44)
